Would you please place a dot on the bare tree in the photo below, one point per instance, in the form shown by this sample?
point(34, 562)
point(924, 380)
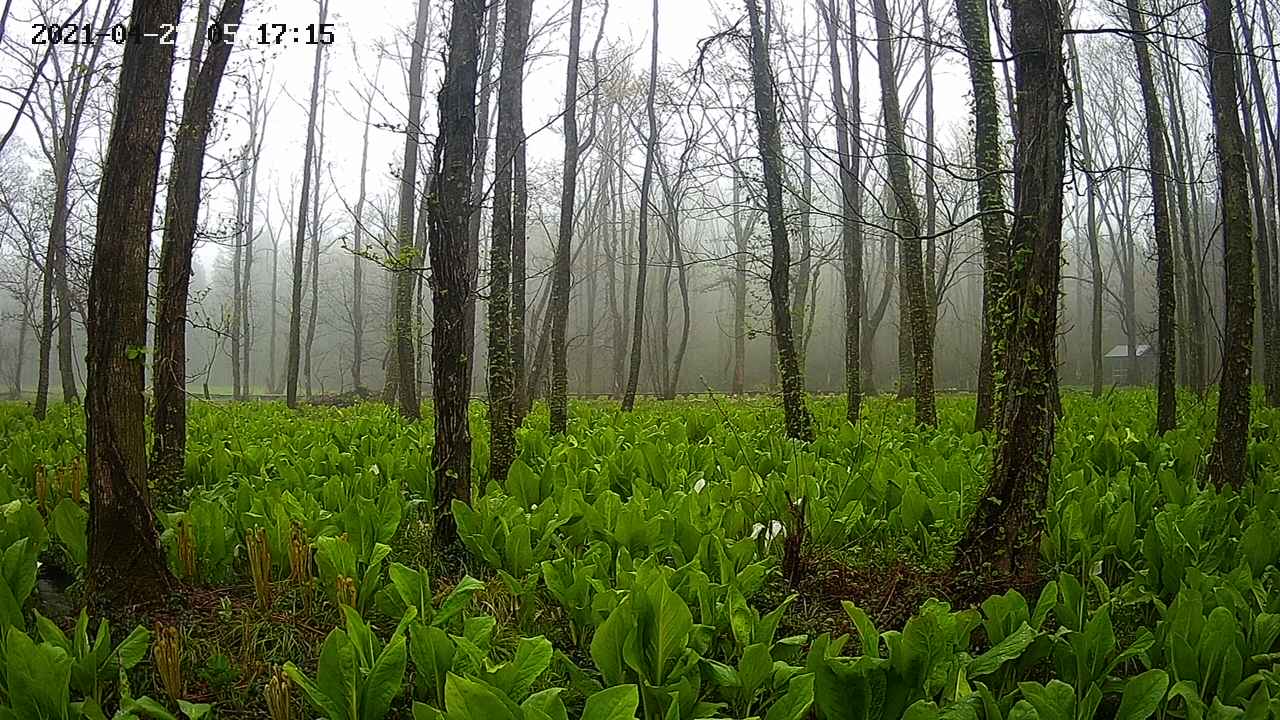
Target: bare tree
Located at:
point(299, 247)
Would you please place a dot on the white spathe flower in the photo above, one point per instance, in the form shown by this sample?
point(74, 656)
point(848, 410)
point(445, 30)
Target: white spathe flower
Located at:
point(773, 530)
point(698, 486)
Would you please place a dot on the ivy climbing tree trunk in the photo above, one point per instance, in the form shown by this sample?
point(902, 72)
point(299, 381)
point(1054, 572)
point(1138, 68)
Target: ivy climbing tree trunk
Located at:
point(918, 312)
point(972, 15)
point(1003, 534)
point(798, 420)
point(127, 568)
point(1231, 440)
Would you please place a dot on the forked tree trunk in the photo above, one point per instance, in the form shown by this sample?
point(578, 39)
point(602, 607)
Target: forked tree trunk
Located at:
point(127, 568)
point(501, 369)
point(918, 313)
point(1166, 380)
point(410, 403)
point(1003, 535)
point(798, 420)
point(972, 15)
point(646, 183)
point(182, 210)
point(449, 216)
point(561, 279)
point(1231, 440)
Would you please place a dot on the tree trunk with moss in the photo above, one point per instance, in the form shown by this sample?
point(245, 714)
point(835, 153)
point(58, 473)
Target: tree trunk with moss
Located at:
point(501, 368)
point(989, 160)
point(1231, 440)
point(1003, 534)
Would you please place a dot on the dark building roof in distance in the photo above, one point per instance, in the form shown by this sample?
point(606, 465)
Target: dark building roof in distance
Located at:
point(1122, 351)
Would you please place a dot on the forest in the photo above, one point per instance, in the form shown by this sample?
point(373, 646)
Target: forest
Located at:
point(639, 360)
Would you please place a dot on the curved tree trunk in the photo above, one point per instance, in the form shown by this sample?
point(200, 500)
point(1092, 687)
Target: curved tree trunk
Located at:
point(798, 420)
point(921, 328)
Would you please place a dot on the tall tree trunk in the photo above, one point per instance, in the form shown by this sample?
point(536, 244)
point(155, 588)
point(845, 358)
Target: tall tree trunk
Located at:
point(1005, 529)
point(1231, 440)
point(972, 15)
point(646, 183)
point(300, 241)
point(741, 235)
point(182, 211)
point(921, 328)
point(930, 183)
point(557, 400)
point(485, 84)
point(502, 445)
point(272, 379)
point(798, 420)
point(126, 565)
point(1166, 403)
point(1091, 193)
point(357, 261)
point(450, 213)
point(519, 223)
point(410, 403)
point(850, 213)
point(1196, 356)
point(236, 286)
point(317, 234)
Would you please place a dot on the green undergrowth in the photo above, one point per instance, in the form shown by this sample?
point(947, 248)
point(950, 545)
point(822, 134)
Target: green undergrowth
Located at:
point(631, 570)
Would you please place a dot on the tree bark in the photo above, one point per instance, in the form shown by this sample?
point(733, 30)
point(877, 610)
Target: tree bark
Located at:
point(126, 565)
point(972, 15)
point(485, 84)
point(850, 214)
point(741, 234)
point(646, 183)
point(317, 234)
point(357, 260)
point(502, 445)
point(921, 328)
point(1091, 193)
point(561, 277)
point(799, 422)
point(1231, 440)
point(300, 241)
point(1166, 380)
point(182, 211)
point(1004, 531)
point(448, 217)
point(410, 403)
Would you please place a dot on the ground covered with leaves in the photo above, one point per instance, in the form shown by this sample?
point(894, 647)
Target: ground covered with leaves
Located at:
point(631, 570)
